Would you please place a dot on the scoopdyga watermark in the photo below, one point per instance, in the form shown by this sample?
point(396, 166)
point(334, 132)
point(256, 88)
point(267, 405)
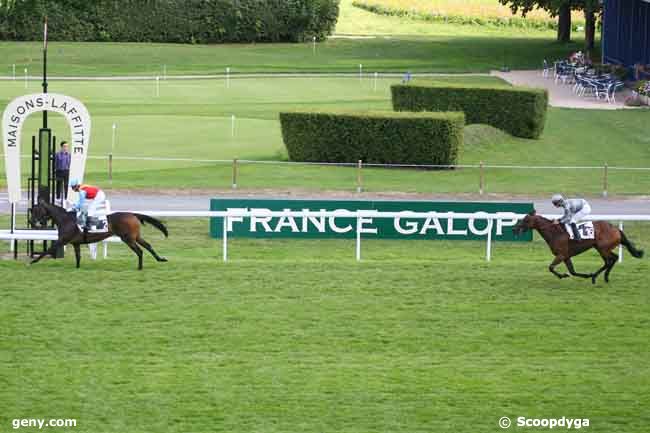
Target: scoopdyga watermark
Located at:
point(548, 423)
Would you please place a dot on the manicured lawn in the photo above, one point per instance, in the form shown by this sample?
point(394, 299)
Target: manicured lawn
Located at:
point(395, 44)
point(192, 119)
point(294, 336)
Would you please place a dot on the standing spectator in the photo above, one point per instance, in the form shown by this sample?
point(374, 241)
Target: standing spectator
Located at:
point(62, 167)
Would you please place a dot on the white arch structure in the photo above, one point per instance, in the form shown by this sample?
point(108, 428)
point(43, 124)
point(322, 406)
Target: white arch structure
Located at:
point(13, 120)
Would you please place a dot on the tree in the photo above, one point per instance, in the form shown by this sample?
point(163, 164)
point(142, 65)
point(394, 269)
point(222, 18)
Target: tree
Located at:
point(562, 9)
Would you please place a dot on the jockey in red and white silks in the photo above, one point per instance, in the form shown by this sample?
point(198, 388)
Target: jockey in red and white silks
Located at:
point(91, 203)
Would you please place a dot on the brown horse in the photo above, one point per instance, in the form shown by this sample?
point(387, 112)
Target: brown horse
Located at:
point(607, 238)
point(124, 225)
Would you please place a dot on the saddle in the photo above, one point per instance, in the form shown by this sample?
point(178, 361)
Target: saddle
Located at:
point(94, 225)
point(586, 230)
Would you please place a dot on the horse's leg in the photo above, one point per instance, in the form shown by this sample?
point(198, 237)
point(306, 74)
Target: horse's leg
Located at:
point(572, 271)
point(77, 254)
point(594, 276)
point(613, 259)
point(149, 248)
point(552, 266)
point(50, 251)
point(136, 249)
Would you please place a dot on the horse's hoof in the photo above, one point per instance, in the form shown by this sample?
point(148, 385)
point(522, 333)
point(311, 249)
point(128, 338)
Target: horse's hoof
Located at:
point(593, 279)
point(162, 259)
point(565, 275)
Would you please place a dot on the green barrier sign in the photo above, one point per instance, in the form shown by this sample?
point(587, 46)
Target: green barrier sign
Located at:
point(379, 228)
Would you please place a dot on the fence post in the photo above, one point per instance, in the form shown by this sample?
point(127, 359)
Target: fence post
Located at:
point(234, 173)
point(481, 179)
point(110, 168)
point(488, 249)
point(224, 238)
point(605, 180)
point(358, 245)
point(620, 246)
point(359, 178)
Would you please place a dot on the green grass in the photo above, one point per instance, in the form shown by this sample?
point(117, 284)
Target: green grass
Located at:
point(192, 119)
point(294, 336)
point(396, 45)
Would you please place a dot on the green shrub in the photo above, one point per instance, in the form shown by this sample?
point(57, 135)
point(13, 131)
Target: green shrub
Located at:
point(373, 137)
point(182, 21)
point(519, 111)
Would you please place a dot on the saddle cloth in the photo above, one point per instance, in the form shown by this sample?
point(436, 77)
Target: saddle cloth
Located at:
point(96, 225)
point(586, 230)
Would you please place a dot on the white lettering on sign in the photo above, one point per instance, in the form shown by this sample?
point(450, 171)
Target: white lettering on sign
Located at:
point(409, 227)
point(477, 225)
point(432, 223)
point(337, 229)
point(362, 222)
point(452, 231)
point(14, 118)
point(504, 223)
point(264, 221)
point(317, 222)
point(287, 221)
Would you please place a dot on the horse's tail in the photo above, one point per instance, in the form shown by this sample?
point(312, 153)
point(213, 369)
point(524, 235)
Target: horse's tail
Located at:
point(153, 221)
point(630, 246)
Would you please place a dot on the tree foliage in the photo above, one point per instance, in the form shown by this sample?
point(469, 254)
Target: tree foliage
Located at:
point(562, 9)
point(185, 21)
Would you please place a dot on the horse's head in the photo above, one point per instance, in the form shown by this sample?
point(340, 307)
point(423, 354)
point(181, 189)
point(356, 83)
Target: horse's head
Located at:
point(39, 214)
point(525, 224)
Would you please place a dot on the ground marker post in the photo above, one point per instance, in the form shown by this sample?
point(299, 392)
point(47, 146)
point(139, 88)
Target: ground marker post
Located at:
point(13, 71)
point(157, 87)
point(620, 246)
point(605, 180)
point(110, 155)
point(359, 178)
point(228, 78)
point(375, 84)
point(225, 238)
point(358, 243)
point(25, 78)
point(314, 45)
point(164, 72)
point(488, 252)
point(234, 173)
point(232, 125)
point(481, 181)
point(360, 72)
point(110, 168)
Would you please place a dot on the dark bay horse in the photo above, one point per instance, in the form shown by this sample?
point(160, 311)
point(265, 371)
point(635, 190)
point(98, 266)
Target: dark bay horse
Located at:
point(124, 225)
point(607, 238)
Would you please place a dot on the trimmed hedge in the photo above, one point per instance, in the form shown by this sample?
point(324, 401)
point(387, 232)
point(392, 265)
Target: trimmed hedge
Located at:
point(179, 21)
point(373, 137)
point(519, 111)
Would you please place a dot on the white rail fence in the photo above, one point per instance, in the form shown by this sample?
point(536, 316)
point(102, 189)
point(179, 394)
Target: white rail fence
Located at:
point(504, 219)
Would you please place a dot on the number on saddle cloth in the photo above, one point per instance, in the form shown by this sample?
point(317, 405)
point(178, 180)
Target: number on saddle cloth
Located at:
point(586, 230)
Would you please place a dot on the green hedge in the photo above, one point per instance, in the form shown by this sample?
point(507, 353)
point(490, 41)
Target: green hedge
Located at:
point(373, 137)
point(181, 21)
point(517, 110)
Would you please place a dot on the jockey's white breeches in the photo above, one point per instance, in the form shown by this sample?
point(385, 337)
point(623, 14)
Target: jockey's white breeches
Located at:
point(586, 210)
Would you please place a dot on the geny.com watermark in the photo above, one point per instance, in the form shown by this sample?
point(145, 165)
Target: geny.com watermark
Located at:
point(549, 423)
point(42, 423)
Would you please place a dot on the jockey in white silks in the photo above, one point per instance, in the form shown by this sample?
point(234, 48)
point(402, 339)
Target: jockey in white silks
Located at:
point(575, 209)
point(90, 206)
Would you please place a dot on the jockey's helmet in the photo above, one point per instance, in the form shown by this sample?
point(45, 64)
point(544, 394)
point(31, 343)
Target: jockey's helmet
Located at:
point(557, 200)
point(74, 183)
